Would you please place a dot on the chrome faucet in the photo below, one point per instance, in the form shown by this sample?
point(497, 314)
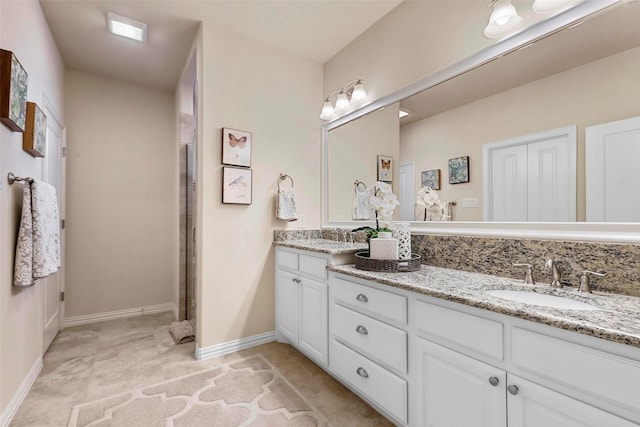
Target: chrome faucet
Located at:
point(555, 273)
point(528, 275)
point(584, 280)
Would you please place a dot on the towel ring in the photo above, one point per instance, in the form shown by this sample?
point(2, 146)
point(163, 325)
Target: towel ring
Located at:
point(356, 185)
point(284, 176)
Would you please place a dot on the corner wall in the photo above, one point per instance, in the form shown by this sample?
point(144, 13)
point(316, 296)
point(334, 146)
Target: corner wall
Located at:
point(122, 196)
point(276, 96)
point(24, 31)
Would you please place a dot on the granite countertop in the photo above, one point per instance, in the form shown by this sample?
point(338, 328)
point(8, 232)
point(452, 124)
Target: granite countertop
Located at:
point(617, 318)
point(323, 245)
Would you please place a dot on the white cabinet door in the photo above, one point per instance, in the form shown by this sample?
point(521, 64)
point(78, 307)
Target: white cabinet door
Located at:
point(531, 405)
point(455, 390)
point(314, 334)
point(287, 305)
point(612, 152)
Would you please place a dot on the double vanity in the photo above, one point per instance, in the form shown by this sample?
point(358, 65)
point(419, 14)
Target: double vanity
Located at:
point(442, 347)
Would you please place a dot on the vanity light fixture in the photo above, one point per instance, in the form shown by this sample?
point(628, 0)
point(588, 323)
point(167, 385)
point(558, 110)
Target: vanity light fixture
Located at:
point(552, 6)
point(127, 27)
point(350, 96)
point(504, 20)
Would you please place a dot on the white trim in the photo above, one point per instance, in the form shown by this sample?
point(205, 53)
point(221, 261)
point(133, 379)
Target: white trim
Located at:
point(203, 353)
point(119, 314)
point(20, 394)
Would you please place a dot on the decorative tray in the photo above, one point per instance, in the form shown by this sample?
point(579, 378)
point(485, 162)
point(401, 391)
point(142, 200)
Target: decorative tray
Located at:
point(363, 262)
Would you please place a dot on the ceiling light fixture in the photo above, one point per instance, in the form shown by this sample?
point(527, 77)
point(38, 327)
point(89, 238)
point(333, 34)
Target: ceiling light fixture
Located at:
point(402, 113)
point(504, 20)
point(352, 95)
point(127, 27)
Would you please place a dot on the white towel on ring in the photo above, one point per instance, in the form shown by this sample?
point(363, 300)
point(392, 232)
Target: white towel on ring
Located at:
point(38, 246)
point(286, 204)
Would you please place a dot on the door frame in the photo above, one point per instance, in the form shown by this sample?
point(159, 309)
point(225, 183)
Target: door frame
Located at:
point(53, 115)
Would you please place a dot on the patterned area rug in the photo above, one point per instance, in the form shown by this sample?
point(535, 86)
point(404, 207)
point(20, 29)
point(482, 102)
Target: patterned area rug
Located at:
point(243, 392)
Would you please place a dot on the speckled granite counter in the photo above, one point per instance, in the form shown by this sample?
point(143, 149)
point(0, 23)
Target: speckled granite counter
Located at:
point(617, 318)
point(323, 245)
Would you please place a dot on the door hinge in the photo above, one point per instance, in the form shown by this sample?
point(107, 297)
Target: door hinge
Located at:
point(64, 152)
point(62, 224)
point(62, 296)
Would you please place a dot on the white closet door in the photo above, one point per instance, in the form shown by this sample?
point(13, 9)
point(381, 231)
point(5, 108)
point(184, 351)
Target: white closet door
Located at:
point(612, 152)
point(508, 186)
point(406, 191)
point(552, 179)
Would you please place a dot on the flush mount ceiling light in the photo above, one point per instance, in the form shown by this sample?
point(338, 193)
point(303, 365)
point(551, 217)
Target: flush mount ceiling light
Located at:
point(552, 6)
point(349, 97)
point(127, 27)
point(503, 21)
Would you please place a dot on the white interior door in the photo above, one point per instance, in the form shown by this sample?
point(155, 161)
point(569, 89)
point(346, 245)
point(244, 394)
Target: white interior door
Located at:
point(531, 177)
point(406, 191)
point(612, 152)
point(54, 174)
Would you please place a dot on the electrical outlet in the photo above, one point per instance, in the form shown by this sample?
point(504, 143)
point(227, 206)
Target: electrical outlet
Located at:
point(471, 202)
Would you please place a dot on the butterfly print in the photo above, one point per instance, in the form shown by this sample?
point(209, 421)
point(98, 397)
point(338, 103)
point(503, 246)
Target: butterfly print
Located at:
point(386, 164)
point(237, 142)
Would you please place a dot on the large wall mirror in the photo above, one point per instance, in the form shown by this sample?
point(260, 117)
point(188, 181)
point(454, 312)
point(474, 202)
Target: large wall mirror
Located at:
point(510, 112)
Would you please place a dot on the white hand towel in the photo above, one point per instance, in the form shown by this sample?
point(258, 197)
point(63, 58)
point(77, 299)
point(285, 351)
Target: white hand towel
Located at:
point(361, 206)
point(286, 204)
point(38, 246)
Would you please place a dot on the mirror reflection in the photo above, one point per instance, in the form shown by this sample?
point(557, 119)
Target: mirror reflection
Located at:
point(545, 133)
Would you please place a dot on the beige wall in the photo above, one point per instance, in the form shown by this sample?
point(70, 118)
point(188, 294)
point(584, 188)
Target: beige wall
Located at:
point(24, 31)
point(580, 96)
point(413, 40)
point(253, 87)
point(353, 155)
point(122, 195)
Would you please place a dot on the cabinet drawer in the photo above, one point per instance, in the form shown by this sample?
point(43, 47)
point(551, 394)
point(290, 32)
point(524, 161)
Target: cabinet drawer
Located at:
point(287, 259)
point(609, 377)
point(465, 330)
point(383, 387)
point(379, 340)
point(313, 266)
point(374, 301)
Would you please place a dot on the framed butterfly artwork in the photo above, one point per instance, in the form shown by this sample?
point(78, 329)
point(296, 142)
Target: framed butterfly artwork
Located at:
point(236, 147)
point(385, 168)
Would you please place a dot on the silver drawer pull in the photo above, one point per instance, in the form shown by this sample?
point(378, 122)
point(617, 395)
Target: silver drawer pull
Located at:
point(362, 372)
point(513, 389)
point(362, 330)
point(362, 298)
point(494, 381)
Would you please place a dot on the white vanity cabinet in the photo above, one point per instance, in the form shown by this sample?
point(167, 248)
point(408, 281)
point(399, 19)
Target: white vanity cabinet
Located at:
point(453, 388)
point(302, 299)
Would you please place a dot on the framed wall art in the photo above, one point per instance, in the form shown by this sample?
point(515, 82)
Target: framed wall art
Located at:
point(431, 179)
point(236, 185)
point(34, 138)
point(459, 170)
point(385, 168)
point(236, 147)
point(13, 92)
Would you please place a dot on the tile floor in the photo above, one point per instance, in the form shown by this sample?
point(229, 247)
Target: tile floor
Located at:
point(90, 362)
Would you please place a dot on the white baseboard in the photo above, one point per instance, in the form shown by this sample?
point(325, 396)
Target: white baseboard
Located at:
point(203, 353)
point(17, 399)
point(119, 314)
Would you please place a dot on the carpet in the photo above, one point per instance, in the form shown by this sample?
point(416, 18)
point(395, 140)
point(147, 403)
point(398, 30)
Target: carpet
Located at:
point(243, 392)
point(183, 332)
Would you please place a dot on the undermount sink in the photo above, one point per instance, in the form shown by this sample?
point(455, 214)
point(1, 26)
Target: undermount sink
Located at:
point(542, 300)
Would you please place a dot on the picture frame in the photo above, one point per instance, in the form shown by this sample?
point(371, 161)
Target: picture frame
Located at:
point(13, 92)
point(237, 185)
point(34, 138)
point(431, 179)
point(385, 168)
point(236, 147)
point(459, 170)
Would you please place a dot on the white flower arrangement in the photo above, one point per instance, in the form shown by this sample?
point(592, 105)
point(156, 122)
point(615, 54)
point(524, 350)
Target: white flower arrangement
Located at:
point(382, 200)
point(435, 209)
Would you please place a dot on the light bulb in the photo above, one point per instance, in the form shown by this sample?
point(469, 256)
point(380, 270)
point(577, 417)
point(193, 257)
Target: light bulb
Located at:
point(342, 103)
point(328, 112)
point(359, 94)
